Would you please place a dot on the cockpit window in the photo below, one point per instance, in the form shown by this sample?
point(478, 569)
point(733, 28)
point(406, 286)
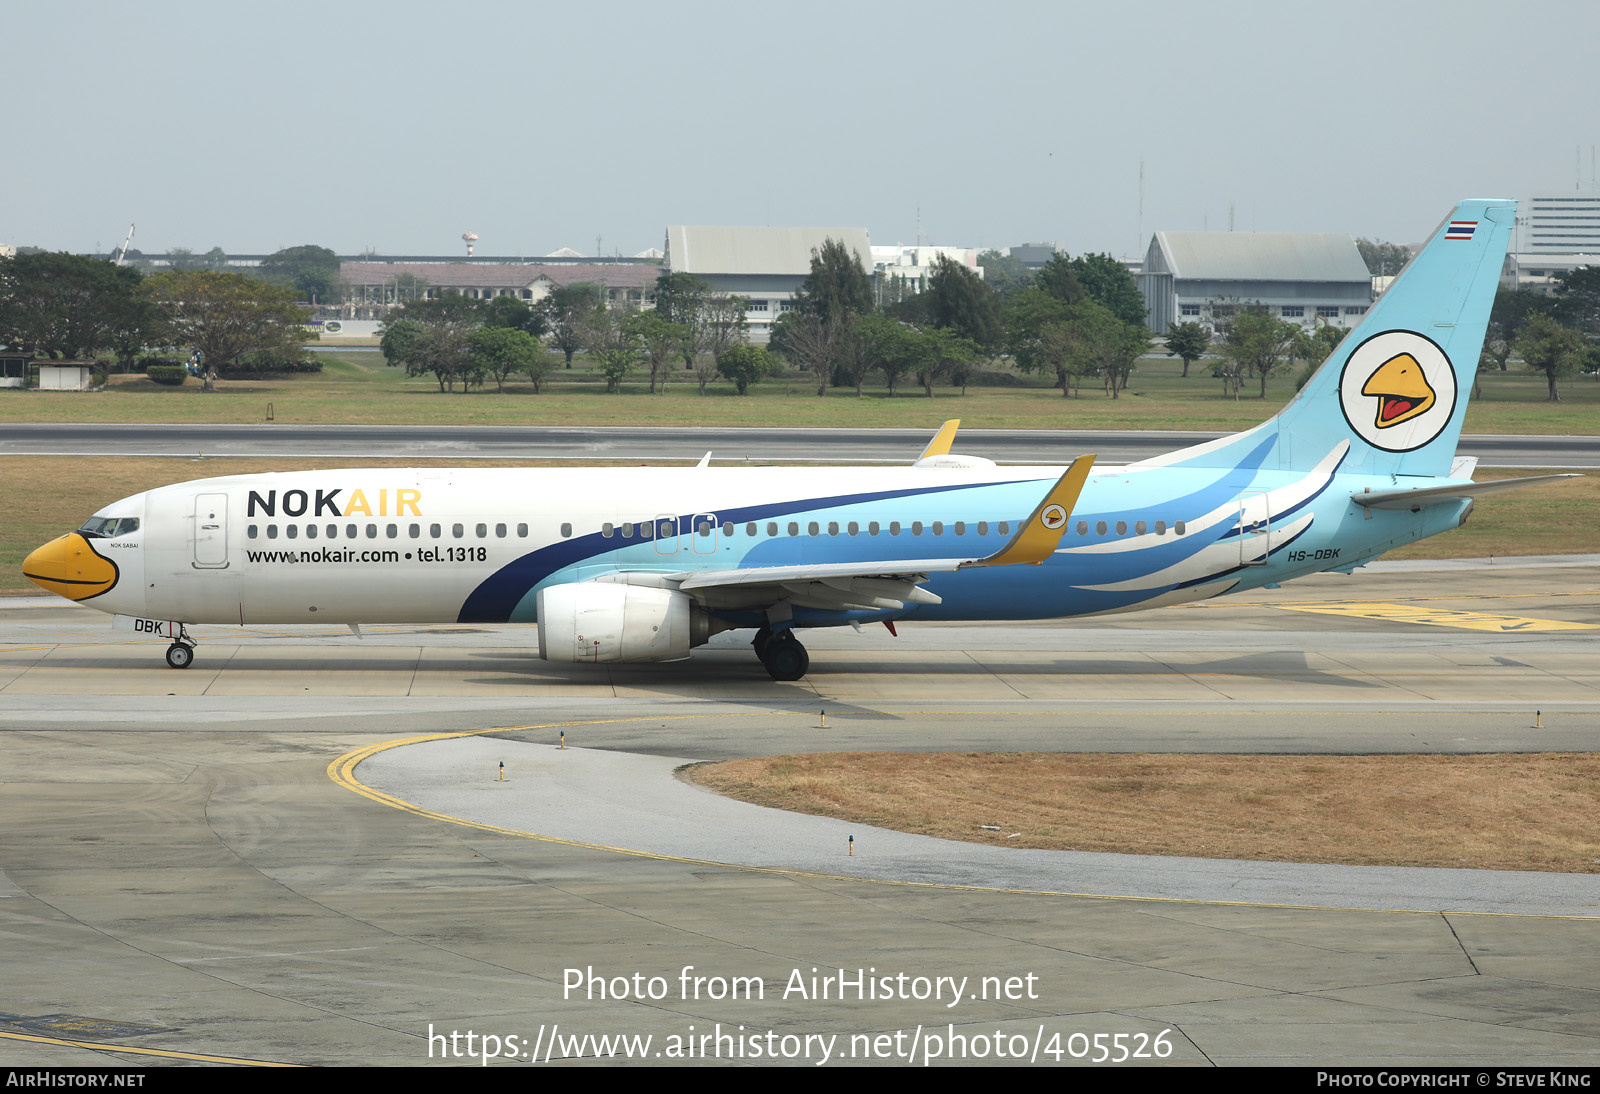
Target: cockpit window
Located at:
point(109, 526)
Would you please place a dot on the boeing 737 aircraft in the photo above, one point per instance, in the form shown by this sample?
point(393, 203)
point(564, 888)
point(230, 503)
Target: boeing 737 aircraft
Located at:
point(643, 564)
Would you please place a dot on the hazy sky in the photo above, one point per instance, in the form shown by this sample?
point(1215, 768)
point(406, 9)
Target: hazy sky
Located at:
point(399, 125)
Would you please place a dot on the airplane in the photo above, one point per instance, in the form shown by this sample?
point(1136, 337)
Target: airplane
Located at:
point(644, 564)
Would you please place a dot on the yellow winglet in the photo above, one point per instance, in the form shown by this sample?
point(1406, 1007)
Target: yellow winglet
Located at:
point(942, 440)
point(1036, 540)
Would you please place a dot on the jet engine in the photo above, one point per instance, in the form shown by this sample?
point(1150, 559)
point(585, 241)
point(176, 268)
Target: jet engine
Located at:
point(604, 621)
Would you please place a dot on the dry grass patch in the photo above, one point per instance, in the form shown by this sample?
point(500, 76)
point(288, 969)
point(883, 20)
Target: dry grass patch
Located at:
point(1494, 812)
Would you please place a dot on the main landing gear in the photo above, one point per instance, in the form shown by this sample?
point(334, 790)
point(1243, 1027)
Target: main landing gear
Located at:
point(782, 654)
point(180, 655)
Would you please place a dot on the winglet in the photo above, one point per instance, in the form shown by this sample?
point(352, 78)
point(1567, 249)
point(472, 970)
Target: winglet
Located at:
point(1037, 538)
point(942, 440)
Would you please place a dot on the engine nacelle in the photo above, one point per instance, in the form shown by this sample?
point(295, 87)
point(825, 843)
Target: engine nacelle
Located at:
point(601, 621)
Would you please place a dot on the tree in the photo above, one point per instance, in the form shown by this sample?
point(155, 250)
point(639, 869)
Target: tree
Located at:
point(445, 349)
point(1188, 341)
point(1108, 282)
point(1058, 278)
point(721, 326)
point(216, 260)
point(1383, 259)
point(1548, 347)
point(542, 364)
point(1107, 345)
point(837, 286)
point(564, 311)
point(943, 351)
point(744, 365)
point(958, 299)
point(1511, 312)
point(609, 336)
point(1577, 296)
point(312, 271)
point(887, 345)
point(448, 307)
point(224, 316)
point(513, 313)
point(809, 340)
point(1004, 274)
point(662, 340)
point(1036, 334)
point(1255, 343)
point(500, 351)
point(69, 305)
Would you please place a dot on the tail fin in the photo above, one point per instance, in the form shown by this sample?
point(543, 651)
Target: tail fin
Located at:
point(1396, 389)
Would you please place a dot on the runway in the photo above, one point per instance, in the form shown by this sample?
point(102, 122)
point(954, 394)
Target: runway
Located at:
point(181, 875)
point(642, 443)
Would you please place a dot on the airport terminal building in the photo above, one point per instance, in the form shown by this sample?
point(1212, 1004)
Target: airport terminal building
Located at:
point(1304, 278)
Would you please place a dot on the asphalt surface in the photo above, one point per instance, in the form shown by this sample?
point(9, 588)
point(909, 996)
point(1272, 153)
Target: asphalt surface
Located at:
point(1029, 446)
point(188, 871)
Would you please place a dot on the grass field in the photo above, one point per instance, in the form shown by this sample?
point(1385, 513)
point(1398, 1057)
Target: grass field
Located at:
point(358, 389)
point(1492, 812)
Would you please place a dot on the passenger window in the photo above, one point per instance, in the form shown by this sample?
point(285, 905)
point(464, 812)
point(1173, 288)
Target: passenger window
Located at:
point(916, 527)
point(332, 531)
point(1140, 527)
point(983, 527)
point(459, 530)
point(606, 530)
point(627, 531)
point(772, 528)
point(703, 528)
point(435, 531)
point(1083, 527)
point(961, 527)
point(291, 530)
point(1099, 527)
point(272, 531)
point(750, 529)
point(416, 531)
point(483, 531)
point(648, 531)
point(1178, 527)
point(811, 527)
point(250, 532)
point(1161, 527)
point(872, 529)
point(566, 530)
point(392, 531)
point(938, 528)
point(727, 528)
point(1122, 527)
point(1005, 528)
point(500, 531)
point(372, 531)
point(855, 528)
point(894, 528)
point(794, 529)
point(311, 531)
point(833, 527)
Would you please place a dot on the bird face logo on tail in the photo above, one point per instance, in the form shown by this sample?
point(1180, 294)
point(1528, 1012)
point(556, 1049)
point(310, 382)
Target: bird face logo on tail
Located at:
point(1398, 391)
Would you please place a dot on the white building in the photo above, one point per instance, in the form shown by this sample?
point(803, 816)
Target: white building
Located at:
point(1311, 279)
point(1554, 236)
point(764, 265)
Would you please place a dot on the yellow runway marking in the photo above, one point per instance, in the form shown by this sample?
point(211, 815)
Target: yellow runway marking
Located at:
point(100, 1046)
point(1441, 617)
point(343, 773)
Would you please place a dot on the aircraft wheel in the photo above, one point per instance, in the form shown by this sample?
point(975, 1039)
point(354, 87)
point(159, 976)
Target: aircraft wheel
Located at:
point(180, 656)
point(761, 641)
point(786, 658)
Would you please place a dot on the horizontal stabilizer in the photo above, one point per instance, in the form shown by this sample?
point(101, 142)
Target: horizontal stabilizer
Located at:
point(1424, 496)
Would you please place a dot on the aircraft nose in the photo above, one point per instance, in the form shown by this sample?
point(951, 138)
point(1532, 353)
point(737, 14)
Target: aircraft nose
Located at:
point(68, 566)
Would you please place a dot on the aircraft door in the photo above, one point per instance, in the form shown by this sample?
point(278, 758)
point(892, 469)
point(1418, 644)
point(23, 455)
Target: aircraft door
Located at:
point(666, 534)
point(210, 531)
point(1255, 529)
point(705, 531)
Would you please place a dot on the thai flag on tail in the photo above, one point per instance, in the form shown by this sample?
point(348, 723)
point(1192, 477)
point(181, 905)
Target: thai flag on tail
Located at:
point(1460, 229)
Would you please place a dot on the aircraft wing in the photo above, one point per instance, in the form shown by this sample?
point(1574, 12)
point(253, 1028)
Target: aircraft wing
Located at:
point(887, 583)
point(1425, 496)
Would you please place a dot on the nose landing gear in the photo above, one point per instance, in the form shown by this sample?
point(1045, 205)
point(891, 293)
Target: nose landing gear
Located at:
point(180, 655)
